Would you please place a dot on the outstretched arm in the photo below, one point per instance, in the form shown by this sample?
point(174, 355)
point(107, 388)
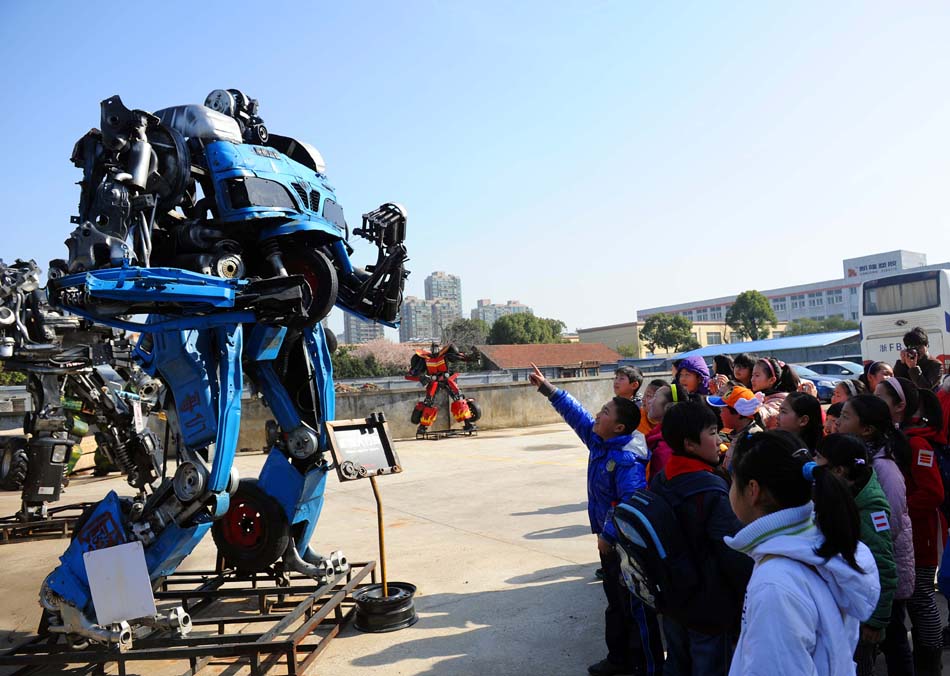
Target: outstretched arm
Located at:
point(570, 409)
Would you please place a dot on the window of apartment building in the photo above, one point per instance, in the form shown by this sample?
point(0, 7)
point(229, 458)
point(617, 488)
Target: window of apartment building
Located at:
point(816, 299)
point(854, 291)
point(798, 301)
point(714, 338)
point(715, 313)
point(854, 316)
point(834, 297)
point(688, 314)
point(779, 304)
point(702, 315)
point(734, 338)
point(695, 336)
point(777, 334)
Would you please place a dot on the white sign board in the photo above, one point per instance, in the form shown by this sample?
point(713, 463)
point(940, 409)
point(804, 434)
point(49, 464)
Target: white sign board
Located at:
point(118, 580)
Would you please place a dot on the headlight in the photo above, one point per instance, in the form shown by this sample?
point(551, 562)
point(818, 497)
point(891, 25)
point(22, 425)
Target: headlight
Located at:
point(59, 453)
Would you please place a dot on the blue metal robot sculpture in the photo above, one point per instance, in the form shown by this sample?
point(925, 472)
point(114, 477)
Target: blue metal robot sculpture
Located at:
point(231, 241)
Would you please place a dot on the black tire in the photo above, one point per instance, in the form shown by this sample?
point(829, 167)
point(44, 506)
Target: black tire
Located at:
point(332, 342)
point(475, 409)
point(321, 277)
point(254, 532)
point(14, 462)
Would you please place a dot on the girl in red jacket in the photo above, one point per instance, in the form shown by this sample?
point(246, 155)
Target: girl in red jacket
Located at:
point(920, 417)
point(660, 452)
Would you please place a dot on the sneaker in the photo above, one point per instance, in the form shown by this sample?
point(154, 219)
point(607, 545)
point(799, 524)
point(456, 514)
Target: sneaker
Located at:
point(607, 668)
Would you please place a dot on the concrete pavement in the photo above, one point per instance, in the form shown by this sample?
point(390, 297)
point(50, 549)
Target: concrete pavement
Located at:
point(492, 529)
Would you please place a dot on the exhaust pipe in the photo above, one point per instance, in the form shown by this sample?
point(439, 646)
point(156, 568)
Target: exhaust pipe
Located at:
point(75, 623)
point(320, 569)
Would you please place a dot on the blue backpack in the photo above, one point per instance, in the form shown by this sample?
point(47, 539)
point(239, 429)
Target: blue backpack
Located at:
point(659, 564)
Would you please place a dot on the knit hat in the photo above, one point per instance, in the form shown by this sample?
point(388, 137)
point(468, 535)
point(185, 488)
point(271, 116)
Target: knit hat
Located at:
point(698, 366)
point(742, 399)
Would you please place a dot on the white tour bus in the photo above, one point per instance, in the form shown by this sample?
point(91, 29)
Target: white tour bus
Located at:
point(891, 306)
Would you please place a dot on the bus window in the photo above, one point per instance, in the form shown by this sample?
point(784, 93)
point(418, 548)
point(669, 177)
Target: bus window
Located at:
point(919, 294)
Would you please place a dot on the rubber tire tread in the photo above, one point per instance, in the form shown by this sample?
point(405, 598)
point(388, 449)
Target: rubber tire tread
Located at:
point(277, 535)
point(14, 479)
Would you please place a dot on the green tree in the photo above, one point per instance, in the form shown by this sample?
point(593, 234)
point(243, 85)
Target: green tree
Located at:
point(751, 316)
point(691, 344)
point(628, 350)
point(465, 333)
point(347, 364)
point(11, 377)
point(520, 329)
point(801, 327)
point(667, 331)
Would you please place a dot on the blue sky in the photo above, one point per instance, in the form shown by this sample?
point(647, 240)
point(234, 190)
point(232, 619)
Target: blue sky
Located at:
point(587, 158)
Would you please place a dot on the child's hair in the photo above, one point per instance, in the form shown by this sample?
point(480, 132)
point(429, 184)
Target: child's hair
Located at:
point(744, 361)
point(904, 391)
point(634, 374)
point(873, 412)
point(805, 404)
point(872, 369)
point(853, 387)
point(723, 364)
point(848, 452)
point(835, 410)
point(785, 471)
point(930, 410)
point(786, 378)
point(686, 420)
point(657, 383)
point(628, 414)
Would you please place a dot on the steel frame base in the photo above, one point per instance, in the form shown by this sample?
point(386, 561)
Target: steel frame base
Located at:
point(59, 523)
point(290, 608)
point(435, 435)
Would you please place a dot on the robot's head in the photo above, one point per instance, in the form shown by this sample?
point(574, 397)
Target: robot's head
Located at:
point(434, 349)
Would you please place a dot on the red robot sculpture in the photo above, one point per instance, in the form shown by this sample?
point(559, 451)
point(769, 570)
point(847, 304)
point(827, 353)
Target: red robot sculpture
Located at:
point(431, 368)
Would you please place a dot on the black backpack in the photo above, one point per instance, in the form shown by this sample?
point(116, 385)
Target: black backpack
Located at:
point(659, 564)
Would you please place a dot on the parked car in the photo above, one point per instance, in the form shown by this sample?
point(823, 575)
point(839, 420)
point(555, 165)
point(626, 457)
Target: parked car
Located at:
point(824, 384)
point(839, 369)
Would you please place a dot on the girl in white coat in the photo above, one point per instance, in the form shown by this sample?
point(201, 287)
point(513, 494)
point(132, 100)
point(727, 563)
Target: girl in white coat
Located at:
point(813, 582)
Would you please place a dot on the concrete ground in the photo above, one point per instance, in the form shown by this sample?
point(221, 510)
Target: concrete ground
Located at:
point(492, 529)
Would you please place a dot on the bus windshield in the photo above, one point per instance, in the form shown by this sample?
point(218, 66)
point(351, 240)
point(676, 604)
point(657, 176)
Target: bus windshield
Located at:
point(917, 294)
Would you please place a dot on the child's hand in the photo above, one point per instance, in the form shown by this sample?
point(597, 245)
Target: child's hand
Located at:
point(808, 387)
point(538, 380)
point(536, 377)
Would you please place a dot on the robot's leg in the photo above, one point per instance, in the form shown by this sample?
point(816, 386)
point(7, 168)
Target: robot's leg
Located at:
point(292, 482)
point(176, 516)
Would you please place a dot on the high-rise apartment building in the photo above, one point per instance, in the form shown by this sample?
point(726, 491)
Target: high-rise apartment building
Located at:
point(356, 330)
point(488, 312)
point(443, 286)
point(415, 323)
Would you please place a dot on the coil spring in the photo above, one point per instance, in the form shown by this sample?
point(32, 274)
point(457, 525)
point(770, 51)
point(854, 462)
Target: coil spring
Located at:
point(120, 456)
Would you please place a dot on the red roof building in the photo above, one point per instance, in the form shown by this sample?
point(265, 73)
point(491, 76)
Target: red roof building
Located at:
point(558, 360)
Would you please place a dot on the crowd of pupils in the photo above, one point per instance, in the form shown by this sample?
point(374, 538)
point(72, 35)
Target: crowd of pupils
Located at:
point(827, 531)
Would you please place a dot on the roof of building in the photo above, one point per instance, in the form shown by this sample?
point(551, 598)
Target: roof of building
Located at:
point(625, 325)
point(548, 354)
point(773, 344)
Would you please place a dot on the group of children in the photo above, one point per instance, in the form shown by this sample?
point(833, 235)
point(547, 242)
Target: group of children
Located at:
point(813, 535)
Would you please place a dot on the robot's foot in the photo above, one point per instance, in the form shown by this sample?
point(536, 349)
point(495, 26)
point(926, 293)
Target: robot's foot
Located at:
point(64, 618)
point(314, 565)
point(470, 426)
point(421, 430)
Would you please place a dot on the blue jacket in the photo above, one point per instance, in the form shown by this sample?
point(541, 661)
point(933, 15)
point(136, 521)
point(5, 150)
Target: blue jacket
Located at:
point(616, 468)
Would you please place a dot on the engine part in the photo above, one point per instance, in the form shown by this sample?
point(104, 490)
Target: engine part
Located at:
point(190, 481)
